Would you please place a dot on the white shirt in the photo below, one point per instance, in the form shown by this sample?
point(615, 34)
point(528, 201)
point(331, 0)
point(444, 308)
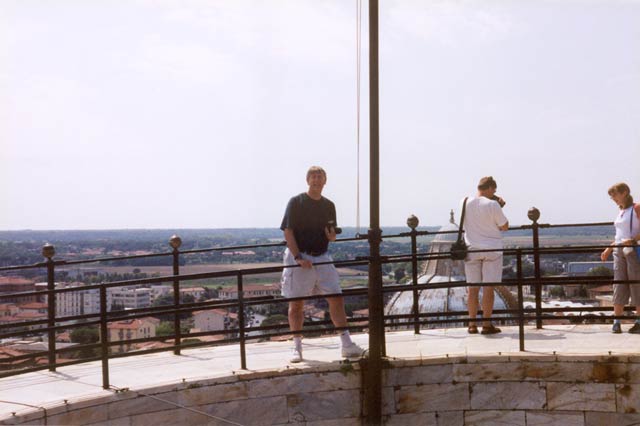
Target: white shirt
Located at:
point(482, 220)
point(625, 229)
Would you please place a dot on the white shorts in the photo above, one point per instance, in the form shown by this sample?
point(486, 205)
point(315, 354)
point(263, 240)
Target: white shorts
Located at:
point(483, 267)
point(300, 282)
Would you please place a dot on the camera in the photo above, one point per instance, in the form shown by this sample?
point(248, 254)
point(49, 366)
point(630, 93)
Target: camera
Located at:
point(332, 224)
point(499, 200)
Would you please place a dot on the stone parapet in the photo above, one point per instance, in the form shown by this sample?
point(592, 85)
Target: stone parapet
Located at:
point(510, 389)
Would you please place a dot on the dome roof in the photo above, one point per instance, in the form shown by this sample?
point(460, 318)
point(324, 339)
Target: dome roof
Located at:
point(447, 238)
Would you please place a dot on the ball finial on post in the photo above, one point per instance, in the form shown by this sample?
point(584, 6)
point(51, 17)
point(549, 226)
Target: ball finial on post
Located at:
point(175, 242)
point(48, 251)
point(412, 222)
point(533, 214)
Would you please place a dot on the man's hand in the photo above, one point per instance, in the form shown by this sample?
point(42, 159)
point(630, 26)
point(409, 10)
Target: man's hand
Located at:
point(330, 233)
point(304, 263)
point(605, 254)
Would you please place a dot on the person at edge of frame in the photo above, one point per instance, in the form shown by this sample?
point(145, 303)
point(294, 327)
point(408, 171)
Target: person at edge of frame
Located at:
point(626, 265)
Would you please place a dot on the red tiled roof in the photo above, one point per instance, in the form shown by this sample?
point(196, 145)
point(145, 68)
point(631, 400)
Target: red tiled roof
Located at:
point(64, 337)
point(132, 324)
point(15, 280)
point(29, 315)
point(33, 305)
point(221, 312)
point(7, 305)
point(9, 353)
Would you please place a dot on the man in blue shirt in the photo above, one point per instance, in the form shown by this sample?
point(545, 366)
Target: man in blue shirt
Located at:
point(309, 225)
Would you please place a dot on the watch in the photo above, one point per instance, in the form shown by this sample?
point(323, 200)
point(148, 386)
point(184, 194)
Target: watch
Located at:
point(297, 257)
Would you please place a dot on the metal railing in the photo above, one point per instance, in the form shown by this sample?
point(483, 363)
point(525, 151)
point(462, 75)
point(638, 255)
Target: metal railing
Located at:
point(103, 349)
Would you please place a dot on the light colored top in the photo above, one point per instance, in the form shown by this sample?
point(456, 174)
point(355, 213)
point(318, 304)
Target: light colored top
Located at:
point(482, 220)
point(625, 230)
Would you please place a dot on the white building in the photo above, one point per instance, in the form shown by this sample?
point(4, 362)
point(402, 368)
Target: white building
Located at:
point(214, 319)
point(575, 269)
point(160, 290)
point(76, 302)
point(130, 297)
point(196, 292)
point(130, 329)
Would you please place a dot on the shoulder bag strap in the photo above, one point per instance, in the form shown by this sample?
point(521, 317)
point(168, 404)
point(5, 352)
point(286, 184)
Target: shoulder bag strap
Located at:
point(464, 207)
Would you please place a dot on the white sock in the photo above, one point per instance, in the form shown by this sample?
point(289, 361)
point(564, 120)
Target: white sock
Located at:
point(345, 338)
point(297, 342)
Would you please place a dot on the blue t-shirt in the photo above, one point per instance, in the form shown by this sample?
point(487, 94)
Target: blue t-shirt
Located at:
point(307, 218)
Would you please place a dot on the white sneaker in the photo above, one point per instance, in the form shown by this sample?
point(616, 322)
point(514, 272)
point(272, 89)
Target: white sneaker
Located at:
point(352, 351)
point(296, 355)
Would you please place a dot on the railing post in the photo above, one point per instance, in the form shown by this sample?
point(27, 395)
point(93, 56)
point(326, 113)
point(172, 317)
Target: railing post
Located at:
point(373, 379)
point(104, 337)
point(520, 300)
point(243, 354)
point(49, 251)
point(534, 214)
point(412, 222)
point(175, 242)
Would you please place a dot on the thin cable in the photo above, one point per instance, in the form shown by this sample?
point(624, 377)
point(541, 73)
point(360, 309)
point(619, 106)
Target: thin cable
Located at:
point(358, 72)
point(26, 405)
point(117, 389)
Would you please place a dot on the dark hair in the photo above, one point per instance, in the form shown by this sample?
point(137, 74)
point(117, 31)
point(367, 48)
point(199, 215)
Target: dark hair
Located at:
point(486, 183)
point(621, 188)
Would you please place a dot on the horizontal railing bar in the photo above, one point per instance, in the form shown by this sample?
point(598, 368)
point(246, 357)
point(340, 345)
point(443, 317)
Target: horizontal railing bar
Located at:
point(110, 259)
point(20, 267)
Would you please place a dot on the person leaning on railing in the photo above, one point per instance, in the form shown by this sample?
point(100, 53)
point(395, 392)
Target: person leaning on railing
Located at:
point(626, 266)
point(309, 224)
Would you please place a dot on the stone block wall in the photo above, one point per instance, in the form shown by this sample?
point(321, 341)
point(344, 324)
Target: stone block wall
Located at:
point(472, 391)
point(516, 390)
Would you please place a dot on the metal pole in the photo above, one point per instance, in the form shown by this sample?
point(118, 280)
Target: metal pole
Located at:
point(243, 353)
point(534, 214)
point(413, 222)
point(175, 242)
point(104, 337)
point(49, 251)
point(520, 301)
point(373, 379)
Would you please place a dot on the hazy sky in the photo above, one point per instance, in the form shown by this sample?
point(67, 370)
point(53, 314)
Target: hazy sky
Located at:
point(206, 114)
